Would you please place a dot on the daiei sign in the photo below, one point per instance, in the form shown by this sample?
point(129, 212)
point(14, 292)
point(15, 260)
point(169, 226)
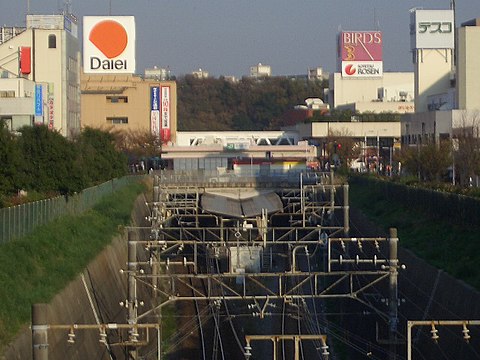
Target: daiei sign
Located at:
point(109, 44)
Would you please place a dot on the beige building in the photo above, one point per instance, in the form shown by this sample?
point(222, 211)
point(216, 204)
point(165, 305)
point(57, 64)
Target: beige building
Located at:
point(124, 102)
point(393, 92)
point(468, 65)
point(432, 34)
point(45, 57)
point(434, 125)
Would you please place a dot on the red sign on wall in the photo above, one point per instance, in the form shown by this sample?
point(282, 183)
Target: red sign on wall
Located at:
point(25, 60)
point(51, 113)
point(361, 45)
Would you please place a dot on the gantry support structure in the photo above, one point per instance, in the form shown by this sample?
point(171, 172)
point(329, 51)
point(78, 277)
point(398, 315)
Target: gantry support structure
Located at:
point(190, 254)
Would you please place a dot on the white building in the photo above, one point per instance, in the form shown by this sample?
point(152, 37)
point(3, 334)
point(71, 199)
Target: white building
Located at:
point(315, 73)
point(393, 92)
point(156, 73)
point(17, 102)
point(432, 34)
point(200, 74)
point(259, 71)
point(43, 59)
point(454, 109)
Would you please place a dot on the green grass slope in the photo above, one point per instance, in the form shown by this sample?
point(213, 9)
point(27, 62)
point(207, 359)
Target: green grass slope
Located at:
point(34, 268)
point(442, 243)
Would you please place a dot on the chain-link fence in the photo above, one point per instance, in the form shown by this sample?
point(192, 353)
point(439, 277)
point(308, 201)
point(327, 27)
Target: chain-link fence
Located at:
point(17, 221)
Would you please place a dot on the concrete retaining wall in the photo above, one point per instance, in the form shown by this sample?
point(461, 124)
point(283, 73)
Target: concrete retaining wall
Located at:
point(102, 281)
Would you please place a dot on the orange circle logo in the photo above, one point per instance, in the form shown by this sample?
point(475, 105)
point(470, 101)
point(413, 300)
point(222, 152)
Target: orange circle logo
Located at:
point(109, 37)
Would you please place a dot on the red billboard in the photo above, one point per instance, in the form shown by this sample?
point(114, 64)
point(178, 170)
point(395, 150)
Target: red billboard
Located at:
point(25, 60)
point(360, 45)
point(165, 113)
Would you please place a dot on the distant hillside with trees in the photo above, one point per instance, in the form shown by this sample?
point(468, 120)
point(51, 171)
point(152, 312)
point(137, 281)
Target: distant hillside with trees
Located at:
point(249, 104)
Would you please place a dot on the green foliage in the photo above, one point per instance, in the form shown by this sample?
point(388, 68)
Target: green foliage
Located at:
point(48, 159)
point(429, 162)
point(217, 104)
point(10, 162)
point(55, 254)
point(98, 157)
point(425, 233)
point(41, 160)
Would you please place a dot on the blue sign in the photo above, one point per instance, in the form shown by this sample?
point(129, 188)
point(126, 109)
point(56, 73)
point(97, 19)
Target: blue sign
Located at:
point(154, 98)
point(38, 100)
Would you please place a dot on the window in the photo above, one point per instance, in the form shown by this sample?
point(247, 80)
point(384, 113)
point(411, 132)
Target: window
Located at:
point(117, 120)
point(7, 94)
point(52, 42)
point(117, 99)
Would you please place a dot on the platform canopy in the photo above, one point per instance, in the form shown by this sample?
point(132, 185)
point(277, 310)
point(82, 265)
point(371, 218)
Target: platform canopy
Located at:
point(241, 203)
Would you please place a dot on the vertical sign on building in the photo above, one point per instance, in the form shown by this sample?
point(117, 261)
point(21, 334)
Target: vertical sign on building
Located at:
point(25, 60)
point(39, 100)
point(155, 110)
point(165, 101)
point(50, 106)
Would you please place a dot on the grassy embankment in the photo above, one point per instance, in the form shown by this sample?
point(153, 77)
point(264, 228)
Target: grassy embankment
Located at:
point(452, 247)
point(36, 267)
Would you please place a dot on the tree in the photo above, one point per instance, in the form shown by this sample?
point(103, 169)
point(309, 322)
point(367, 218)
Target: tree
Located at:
point(10, 160)
point(49, 160)
point(429, 162)
point(467, 152)
point(250, 104)
point(99, 157)
point(342, 148)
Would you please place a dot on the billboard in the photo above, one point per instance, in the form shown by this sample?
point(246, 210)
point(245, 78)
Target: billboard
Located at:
point(25, 60)
point(432, 29)
point(362, 69)
point(360, 45)
point(155, 110)
point(109, 44)
point(165, 113)
point(38, 100)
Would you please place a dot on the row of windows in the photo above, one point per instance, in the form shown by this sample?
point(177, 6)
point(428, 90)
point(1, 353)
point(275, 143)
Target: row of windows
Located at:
point(117, 120)
point(117, 99)
point(7, 94)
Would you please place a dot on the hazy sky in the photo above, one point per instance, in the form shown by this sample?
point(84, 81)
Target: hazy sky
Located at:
point(226, 37)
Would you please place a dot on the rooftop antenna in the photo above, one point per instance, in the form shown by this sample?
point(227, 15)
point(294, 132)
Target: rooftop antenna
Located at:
point(110, 8)
point(452, 7)
point(376, 22)
point(67, 7)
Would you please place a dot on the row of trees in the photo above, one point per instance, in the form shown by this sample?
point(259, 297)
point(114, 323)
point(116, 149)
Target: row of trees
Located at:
point(455, 161)
point(250, 104)
point(41, 160)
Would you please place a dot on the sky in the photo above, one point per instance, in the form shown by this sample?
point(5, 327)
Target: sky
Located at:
point(227, 37)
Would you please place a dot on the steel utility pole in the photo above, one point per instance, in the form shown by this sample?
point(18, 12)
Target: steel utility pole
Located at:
point(39, 332)
point(132, 293)
point(393, 293)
